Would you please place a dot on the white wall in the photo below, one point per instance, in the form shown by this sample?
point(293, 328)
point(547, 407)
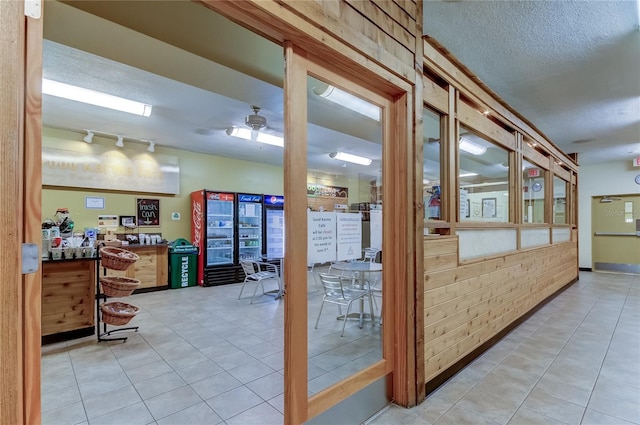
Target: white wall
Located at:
point(610, 178)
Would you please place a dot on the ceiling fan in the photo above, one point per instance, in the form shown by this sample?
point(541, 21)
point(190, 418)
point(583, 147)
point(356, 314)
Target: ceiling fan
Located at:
point(254, 121)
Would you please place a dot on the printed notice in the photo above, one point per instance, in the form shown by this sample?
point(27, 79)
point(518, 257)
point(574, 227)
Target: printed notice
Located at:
point(321, 240)
point(349, 228)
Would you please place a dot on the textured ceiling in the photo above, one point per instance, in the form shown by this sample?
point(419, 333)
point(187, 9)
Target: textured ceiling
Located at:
point(571, 68)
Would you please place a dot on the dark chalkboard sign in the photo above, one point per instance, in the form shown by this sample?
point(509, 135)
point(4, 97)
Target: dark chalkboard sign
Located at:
point(148, 212)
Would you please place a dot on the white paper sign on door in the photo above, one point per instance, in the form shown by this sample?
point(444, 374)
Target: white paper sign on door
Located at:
point(349, 234)
point(321, 238)
point(376, 228)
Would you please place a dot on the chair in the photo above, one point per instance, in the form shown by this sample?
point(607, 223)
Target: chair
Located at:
point(258, 272)
point(370, 254)
point(341, 295)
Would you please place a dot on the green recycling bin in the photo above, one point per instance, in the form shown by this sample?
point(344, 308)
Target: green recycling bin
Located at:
point(183, 260)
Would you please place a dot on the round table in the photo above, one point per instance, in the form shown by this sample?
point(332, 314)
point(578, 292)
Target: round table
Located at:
point(358, 268)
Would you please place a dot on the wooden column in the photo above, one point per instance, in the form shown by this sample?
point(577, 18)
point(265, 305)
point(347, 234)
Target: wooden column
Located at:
point(32, 220)
point(295, 265)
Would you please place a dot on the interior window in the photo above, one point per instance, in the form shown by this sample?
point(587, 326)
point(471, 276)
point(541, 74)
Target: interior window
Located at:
point(532, 193)
point(484, 179)
point(431, 192)
point(559, 200)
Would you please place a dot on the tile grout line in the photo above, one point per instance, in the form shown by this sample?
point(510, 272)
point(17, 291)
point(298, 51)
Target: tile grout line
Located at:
point(605, 356)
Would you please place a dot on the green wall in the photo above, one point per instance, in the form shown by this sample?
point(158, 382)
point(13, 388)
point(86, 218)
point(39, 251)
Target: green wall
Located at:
point(197, 171)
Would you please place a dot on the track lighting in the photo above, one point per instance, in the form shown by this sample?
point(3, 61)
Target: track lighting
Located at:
point(119, 139)
point(89, 137)
point(360, 160)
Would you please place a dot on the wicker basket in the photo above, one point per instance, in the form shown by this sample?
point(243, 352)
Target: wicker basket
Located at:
point(117, 313)
point(113, 286)
point(117, 258)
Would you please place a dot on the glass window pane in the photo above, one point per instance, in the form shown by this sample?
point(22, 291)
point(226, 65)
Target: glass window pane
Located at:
point(431, 193)
point(344, 207)
point(559, 200)
point(484, 179)
point(532, 193)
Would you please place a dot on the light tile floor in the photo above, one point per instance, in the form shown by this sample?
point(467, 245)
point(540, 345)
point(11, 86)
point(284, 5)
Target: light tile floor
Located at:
point(203, 357)
point(575, 361)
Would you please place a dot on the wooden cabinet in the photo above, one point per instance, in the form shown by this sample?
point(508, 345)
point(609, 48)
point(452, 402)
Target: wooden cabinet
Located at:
point(151, 268)
point(68, 295)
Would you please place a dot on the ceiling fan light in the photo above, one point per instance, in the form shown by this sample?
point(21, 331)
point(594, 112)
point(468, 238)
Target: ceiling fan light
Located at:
point(246, 134)
point(342, 156)
point(471, 147)
point(92, 97)
point(350, 101)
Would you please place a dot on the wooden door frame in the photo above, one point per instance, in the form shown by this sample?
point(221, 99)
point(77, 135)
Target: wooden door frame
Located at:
point(20, 187)
point(398, 223)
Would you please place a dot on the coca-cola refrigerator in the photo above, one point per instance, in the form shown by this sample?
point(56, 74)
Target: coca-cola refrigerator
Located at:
point(213, 232)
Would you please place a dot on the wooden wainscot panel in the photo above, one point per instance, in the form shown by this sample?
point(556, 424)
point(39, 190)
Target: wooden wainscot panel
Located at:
point(466, 307)
point(346, 24)
point(151, 268)
point(393, 21)
point(68, 294)
point(440, 253)
point(405, 16)
point(472, 118)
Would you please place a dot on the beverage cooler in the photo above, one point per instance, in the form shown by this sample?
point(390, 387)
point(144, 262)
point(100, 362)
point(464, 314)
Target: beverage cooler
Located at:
point(274, 226)
point(249, 227)
point(213, 231)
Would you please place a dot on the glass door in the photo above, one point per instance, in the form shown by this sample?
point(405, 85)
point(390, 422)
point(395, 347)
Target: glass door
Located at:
point(334, 185)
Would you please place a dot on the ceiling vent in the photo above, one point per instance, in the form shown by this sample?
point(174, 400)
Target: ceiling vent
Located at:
point(254, 121)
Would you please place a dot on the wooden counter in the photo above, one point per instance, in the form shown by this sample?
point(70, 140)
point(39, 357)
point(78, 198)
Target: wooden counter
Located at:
point(68, 295)
point(151, 269)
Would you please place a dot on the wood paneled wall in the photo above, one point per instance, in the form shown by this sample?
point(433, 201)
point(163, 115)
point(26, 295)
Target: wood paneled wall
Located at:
point(377, 35)
point(466, 305)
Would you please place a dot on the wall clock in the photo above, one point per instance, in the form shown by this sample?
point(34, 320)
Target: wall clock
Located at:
point(536, 187)
point(638, 179)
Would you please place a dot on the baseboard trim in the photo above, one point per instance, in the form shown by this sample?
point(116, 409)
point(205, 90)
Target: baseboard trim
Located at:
point(448, 373)
point(68, 335)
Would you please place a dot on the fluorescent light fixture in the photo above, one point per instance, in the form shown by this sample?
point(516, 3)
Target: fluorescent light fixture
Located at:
point(468, 174)
point(152, 146)
point(473, 148)
point(89, 137)
point(92, 97)
point(120, 142)
point(245, 133)
point(360, 160)
point(350, 101)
